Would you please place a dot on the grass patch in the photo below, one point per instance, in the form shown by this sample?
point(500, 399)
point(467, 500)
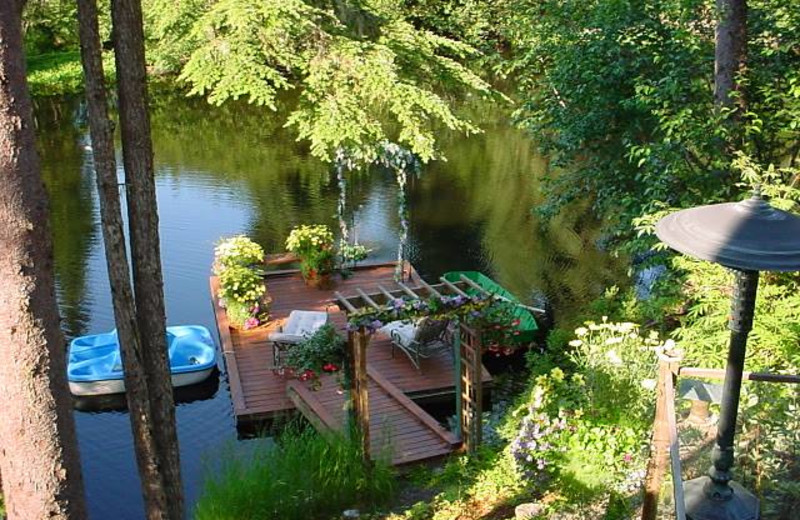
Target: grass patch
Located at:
point(303, 476)
point(60, 73)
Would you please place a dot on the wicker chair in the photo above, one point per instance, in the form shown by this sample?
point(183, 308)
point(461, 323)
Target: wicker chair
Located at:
point(419, 340)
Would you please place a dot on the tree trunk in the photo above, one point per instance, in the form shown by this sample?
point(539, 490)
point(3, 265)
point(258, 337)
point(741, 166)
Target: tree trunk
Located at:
point(137, 154)
point(730, 51)
point(38, 447)
point(148, 457)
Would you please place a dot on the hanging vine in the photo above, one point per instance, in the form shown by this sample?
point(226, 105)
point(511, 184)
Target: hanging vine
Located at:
point(399, 160)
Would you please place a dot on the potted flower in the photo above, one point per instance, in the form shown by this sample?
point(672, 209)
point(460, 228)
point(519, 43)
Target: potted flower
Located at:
point(242, 291)
point(237, 250)
point(315, 246)
point(352, 254)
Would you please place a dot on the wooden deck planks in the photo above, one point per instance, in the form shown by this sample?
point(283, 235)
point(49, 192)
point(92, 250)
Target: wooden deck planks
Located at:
point(258, 394)
point(396, 424)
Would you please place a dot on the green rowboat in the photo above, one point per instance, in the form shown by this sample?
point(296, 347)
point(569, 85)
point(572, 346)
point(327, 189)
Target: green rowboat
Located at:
point(527, 324)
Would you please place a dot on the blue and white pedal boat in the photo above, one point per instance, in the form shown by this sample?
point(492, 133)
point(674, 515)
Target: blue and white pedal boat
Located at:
point(95, 366)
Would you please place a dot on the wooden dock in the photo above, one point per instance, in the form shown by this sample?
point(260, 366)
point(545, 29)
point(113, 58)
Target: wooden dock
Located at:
point(258, 394)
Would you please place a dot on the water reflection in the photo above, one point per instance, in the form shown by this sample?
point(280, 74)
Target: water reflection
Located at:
point(475, 211)
point(72, 206)
point(222, 171)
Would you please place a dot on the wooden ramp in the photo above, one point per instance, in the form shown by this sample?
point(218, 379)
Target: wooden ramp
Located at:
point(399, 427)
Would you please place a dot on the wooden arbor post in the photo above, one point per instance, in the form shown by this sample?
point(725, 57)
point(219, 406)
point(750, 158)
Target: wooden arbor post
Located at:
point(357, 342)
point(470, 387)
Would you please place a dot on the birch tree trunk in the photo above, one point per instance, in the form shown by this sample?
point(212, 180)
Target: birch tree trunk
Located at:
point(38, 447)
point(137, 155)
point(148, 457)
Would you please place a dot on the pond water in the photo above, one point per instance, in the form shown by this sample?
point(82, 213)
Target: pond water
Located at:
point(230, 170)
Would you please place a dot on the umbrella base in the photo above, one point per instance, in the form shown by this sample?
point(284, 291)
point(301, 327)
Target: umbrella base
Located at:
point(700, 505)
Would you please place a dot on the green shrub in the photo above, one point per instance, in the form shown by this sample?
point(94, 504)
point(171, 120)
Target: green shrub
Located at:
point(60, 73)
point(322, 352)
point(303, 476)
point(583, 434)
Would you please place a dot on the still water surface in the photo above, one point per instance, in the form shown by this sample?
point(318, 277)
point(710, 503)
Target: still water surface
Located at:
point(230, 170)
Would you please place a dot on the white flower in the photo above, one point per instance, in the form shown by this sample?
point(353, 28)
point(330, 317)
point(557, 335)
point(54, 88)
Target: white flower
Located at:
point(626, 326)
point(649, 384)
point(575, 343)
point(581, 331)
point(613, 357)
point(613, 341)
point(669, 344)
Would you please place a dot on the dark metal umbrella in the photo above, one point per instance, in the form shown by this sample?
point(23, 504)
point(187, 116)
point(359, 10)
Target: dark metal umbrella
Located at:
point(748, 237)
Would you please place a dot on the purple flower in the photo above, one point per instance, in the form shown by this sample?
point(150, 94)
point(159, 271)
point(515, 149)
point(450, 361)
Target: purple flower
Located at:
point(398, 303)
point(375, 324)
point(351, 327)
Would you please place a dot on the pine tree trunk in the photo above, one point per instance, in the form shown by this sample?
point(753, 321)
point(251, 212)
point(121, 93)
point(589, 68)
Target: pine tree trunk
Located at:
point(148, 457)
point(38, 447)
point(730, 50)
point(137, 154)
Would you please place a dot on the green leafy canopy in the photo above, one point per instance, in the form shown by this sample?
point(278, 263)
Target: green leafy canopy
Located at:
point(364, 73)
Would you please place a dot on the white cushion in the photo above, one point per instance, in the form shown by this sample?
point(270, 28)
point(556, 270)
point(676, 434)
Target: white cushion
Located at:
point(406, 330)
point(300, 325)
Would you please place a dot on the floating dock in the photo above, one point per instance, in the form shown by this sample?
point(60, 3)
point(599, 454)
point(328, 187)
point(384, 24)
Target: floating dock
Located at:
point(397, 422)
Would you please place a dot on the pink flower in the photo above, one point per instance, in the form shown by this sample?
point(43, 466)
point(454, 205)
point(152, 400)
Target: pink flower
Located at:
point(251, 323)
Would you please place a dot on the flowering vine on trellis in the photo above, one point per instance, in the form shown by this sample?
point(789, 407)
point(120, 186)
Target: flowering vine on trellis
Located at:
point(401, 161)
point(485, 312)
point(393, 157)
point(408, 309)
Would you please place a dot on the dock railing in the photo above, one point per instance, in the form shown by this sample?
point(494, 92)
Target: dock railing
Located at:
point(665, 445)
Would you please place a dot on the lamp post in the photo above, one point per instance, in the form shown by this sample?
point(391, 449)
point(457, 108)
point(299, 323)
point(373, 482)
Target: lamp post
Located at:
point(748, 237)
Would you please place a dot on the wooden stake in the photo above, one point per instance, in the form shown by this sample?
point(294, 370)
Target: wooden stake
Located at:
point(659, 450)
